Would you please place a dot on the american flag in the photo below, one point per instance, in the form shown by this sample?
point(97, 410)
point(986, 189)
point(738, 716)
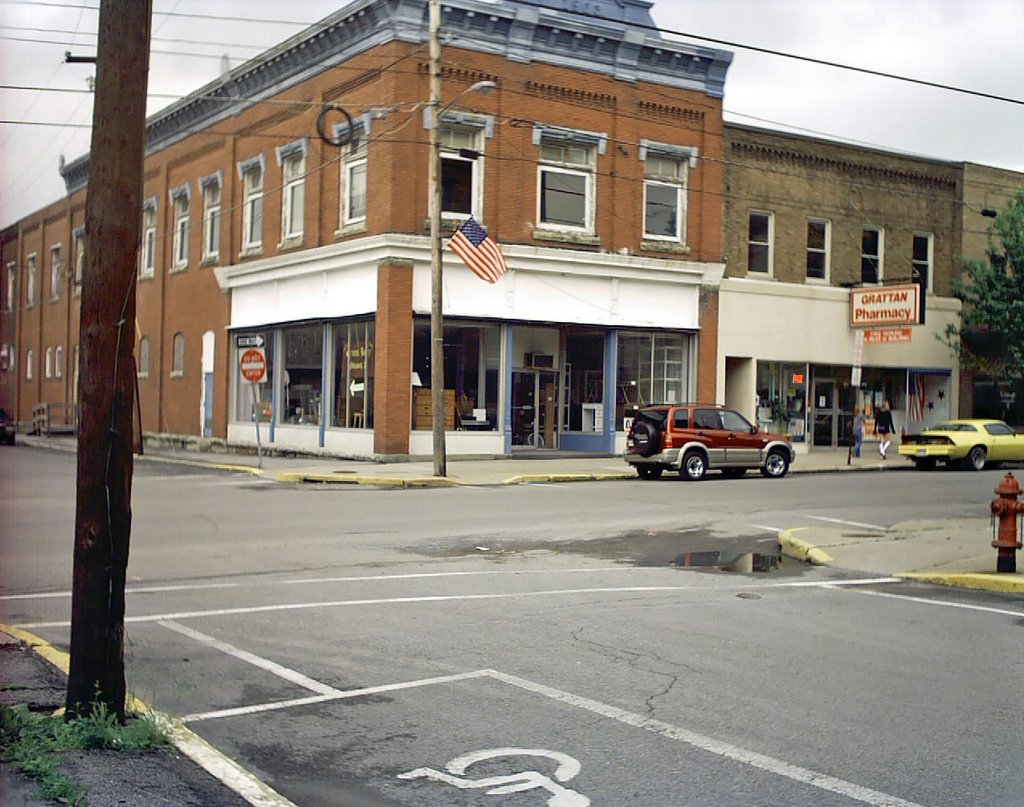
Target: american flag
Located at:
point(917, 400)
point(478, 251)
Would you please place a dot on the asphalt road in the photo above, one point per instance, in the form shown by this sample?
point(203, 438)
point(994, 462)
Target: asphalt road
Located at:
point(545, 644)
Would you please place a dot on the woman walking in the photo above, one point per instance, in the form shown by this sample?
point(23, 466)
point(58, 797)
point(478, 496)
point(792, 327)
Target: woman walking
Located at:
point(884, 427)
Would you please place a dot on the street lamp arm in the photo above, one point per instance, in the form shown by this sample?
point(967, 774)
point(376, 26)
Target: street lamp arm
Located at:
point(482, 87)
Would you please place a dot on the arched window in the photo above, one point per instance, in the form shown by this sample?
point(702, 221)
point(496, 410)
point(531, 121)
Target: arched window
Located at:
point(178, 356)
point(58, 362)
point(144, 357)
point(48, 371)
point(28, 365)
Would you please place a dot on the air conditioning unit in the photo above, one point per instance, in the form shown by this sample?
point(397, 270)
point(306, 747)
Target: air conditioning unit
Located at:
point(540, 361)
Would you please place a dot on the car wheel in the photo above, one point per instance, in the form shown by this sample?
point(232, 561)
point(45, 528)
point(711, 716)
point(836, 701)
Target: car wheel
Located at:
point(649, 471)
point(695, 465)
point(776, 466)
point(924, 464)
point(734, 473)
point(645, 438)
point(976, 459)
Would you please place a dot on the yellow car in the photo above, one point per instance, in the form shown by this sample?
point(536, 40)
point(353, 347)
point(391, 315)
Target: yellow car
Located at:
point(972, 443)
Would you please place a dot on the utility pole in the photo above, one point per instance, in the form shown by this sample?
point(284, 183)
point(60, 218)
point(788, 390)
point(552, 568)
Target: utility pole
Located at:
point(434, 180)
point(106, 377)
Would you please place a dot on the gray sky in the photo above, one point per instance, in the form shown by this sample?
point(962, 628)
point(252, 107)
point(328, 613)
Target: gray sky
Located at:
point(975, 44)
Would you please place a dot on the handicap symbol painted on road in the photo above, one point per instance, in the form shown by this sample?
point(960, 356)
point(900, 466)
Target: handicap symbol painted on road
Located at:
point(568, 767)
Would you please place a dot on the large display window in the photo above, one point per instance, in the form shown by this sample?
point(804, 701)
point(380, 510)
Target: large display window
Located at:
point(303, 378)
point(653, 368)
point(782, 399)
point(353, 375)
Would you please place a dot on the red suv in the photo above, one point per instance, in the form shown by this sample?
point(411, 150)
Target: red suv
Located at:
point(695, 438)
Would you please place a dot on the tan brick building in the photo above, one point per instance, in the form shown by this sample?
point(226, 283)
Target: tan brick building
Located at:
point(597, 164)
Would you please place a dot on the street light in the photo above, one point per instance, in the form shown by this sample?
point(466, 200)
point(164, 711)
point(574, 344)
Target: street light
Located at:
point(434, 180)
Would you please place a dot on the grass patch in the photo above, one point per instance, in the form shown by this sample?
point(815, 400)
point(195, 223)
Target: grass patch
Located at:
point(31, 743)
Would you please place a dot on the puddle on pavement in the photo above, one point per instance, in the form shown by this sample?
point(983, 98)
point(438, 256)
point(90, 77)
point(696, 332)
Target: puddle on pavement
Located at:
point(685, 549)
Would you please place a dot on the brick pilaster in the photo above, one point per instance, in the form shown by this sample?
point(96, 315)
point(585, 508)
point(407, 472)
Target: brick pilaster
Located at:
point(393, 362)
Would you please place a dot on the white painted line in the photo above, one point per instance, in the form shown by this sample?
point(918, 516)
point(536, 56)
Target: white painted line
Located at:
point(849, 523)
point(320, 580)
point(764, 527)
point(778, 767)
point(341, 695)
point(257, 661)
point(964, 605)
point(259, 609)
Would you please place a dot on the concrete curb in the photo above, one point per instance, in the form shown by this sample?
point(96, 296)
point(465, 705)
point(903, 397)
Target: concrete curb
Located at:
point(979, 581)
point(297, 477)
point(525, 479)
point(221, 767)
point(793, 547)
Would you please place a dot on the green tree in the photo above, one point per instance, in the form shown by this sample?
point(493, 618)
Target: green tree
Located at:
point(991, 333)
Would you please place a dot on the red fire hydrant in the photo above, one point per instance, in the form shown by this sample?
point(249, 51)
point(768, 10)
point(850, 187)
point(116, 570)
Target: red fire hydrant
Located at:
point(1005, 509)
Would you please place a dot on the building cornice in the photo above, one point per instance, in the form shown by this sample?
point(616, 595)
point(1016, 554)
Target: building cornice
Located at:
point(626, 47)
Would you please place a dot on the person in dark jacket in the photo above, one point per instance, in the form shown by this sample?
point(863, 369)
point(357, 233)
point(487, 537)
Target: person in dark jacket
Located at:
point(884, 427)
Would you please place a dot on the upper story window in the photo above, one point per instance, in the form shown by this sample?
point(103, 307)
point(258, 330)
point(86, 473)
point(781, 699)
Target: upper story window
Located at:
point(566, 185)
point(78, 241)
point(922, 260)
point(147, 257)
point(29, 365)
point(9, 299)
point(55, 272)
point(143, 357)
point(251, 172)
point(353, 184)
point(292, 159)
point(178, 355)
point(461, 171)
point(211, 186)
point(871, 255)
point(58, 361)
point(760, 235)
point(819, 242)
point(180, 198)
point(666, 171)
point(48, 366)
point(30, 281)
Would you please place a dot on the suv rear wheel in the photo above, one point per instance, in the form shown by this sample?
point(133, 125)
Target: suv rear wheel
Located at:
point(695, 465)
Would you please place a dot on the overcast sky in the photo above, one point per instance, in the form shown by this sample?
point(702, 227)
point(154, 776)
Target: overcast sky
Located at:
point(974, 44)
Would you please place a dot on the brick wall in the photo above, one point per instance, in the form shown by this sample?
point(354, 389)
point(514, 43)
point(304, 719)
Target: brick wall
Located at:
point(393, 359)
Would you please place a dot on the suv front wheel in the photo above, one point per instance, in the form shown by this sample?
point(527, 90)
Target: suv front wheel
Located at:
point(776, 466)
point(695, 465)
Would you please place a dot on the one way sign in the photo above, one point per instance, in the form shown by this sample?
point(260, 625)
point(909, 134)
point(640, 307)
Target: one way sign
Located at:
point(244, 340)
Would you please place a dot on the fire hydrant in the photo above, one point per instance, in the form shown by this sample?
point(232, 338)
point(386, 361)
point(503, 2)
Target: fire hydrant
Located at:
point(1005, 509)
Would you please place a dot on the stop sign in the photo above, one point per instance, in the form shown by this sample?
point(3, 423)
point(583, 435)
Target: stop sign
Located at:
point(254, 365)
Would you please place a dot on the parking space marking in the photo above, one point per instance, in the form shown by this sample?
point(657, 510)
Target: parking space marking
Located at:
point(764, 527)
point(849, 523)
point(558, 592)
point(276, 706)
point(372, 578)
point(928, 601)
point(752, 758)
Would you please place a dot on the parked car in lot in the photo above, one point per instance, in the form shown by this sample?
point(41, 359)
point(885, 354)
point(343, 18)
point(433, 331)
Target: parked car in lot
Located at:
point(8, 428)
point(693, 439)
point(971, 443)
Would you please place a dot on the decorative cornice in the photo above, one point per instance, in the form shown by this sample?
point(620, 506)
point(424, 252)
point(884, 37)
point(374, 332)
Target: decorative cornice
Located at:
point(625, 46)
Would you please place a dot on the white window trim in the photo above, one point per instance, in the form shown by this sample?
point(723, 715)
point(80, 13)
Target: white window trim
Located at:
point(349, 163)
point(55, 271)
point(29, 362)
point(680, 234)
point(476, 191)
point(12, 268)
point(931, 257)
point(588, 214)
point(250, 246)
point(179, 242)
point(205, 183)
point(482, 127)
point(289, 190)
point(30, 280)
point(881, 251)
point(178, 372)
point(144, 370)
point(48, 364)
point(828, 252)
point(771, 244)
point(78, 248)
point(58, 362)
point(147, 260)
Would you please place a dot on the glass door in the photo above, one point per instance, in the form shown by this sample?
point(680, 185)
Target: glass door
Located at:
point(824, 403)
point(534, 408)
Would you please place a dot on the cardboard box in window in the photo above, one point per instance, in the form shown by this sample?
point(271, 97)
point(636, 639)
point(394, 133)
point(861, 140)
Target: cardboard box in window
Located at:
point(423, 410)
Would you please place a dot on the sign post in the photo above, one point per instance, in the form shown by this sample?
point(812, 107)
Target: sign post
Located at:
point(855, 374)
point(253, 363)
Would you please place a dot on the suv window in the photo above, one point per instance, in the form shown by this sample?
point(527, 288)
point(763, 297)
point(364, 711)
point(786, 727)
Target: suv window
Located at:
point(734, 421)
point(681, 419)
point(706, 419)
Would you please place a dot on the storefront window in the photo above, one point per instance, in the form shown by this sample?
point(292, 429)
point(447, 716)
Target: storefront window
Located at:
point(653, 368)
point(252, 403)
point(584, 370)
point(878, 386)
point(303, 348)
point(781, 399)
point(353, 375)
point(471, 366)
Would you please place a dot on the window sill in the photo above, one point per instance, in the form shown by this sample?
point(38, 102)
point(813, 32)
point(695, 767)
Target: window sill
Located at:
point(177, 373)
point(292, 242)
point(147, 277)
point(210, 260)
point(675, 247)
point(450, 224)
point(177, 270)
point(566, 237)
point(142, 376)
point(355, 228)
point(251, 251)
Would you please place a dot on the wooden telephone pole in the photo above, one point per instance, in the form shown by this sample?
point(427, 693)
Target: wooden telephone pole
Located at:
point(106, 377)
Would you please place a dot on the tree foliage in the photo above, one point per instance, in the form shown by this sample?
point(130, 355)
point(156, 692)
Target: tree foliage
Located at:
point(991, 333)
